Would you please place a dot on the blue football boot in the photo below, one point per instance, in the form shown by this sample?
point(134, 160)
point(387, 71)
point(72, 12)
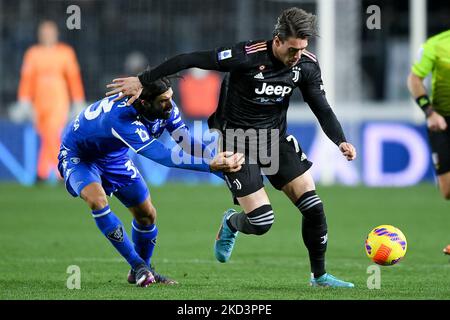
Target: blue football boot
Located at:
point(327, 280)
point(225, 238)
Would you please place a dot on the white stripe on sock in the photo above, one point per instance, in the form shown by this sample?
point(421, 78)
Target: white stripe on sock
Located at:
point(263, 219)
point(269, 213)
point(101, 214)
point(312, 205)
point(143, 231)
point(307, 200)
point(263, 223)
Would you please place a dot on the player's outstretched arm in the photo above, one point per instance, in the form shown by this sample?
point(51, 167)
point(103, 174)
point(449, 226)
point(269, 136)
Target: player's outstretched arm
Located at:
point(200, 59)
point(224, 161)
point(131, 86)
point(333, 129)
point(314, 95)
point(190, 144)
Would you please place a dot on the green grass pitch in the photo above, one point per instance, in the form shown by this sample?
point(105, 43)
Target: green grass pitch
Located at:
point(43, 230)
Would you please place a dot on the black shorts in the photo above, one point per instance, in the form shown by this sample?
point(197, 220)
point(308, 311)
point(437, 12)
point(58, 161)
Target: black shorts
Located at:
point(292, 164)
point(440, 149)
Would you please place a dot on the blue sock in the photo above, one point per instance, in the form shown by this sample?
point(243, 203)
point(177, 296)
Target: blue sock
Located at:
point(112, 228)
point(144, 238)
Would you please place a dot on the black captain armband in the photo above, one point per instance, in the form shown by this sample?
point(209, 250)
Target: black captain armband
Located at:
point(424, 103)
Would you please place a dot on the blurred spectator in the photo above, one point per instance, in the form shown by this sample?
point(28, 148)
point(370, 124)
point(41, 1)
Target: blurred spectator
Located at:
point(199, 93)
point(135, 62)
point(50, 79)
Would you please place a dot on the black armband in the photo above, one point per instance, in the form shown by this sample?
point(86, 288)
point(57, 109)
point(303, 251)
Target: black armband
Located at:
point(424, 103)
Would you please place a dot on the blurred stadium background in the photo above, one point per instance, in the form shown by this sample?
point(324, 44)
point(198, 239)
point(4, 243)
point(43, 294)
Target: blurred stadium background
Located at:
point(364, 72)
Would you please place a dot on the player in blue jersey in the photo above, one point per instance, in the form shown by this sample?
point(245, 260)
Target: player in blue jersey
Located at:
point(94, 163)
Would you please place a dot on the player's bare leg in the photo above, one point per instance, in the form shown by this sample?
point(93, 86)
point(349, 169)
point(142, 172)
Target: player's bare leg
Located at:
point(95, 196)
point(444, 185)
point(144, 213)
point(144, 237)
point(257, 218)
point(254, 200)
point(299, 186)
point(301, 191)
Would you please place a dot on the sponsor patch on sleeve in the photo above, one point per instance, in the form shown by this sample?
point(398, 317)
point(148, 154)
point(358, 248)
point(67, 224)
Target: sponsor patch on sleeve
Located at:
point(225, 54)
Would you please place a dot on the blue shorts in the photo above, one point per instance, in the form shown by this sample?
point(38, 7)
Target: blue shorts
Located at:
point(118, 176)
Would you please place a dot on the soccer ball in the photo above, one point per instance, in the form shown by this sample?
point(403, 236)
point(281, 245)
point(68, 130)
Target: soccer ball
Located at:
point(386, 245)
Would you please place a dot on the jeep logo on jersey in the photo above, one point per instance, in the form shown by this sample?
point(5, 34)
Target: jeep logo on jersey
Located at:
point(273, 90)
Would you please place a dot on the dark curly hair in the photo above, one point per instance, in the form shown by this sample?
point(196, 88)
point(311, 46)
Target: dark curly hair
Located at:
point(155, 88)
point(297, 23)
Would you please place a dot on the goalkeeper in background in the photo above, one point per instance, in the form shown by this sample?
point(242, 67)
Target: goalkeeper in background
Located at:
point(435, 59)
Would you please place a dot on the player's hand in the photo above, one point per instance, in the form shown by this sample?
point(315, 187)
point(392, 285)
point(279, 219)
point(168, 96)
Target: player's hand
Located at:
point(348, 150)
point(436, 122)
point(130, 86)
point(227, 162)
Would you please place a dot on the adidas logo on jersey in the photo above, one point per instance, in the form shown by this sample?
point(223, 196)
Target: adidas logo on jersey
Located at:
point(259, 76)
point(273, 90)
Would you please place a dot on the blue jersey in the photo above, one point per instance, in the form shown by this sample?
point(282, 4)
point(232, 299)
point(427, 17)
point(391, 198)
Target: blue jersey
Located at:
point(95, 145)
point(107, 130)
